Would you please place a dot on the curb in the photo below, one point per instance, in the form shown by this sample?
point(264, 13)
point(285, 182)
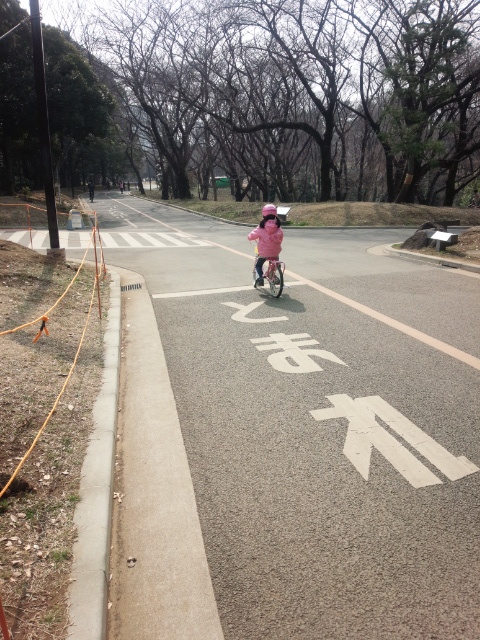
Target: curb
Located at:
point(169, 594)
point(440, 261)
point(88, 593)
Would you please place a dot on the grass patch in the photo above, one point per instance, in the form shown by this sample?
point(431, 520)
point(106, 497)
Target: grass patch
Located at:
point(59, 556)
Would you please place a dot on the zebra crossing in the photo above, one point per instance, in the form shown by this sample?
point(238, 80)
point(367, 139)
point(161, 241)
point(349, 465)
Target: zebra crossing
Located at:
point(110, 240)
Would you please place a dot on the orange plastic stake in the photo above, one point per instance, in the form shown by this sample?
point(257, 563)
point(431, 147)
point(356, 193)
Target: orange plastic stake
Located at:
point(3, 623)
point(43, 328)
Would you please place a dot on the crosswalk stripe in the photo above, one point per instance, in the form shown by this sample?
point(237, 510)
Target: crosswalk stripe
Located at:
point(17, 236)
point(170, 238)
point(130, 240)
point(108, 241)
point(150, 238)
point(38, 240)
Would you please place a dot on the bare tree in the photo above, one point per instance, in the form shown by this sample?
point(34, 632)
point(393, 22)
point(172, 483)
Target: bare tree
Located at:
point(413, 56)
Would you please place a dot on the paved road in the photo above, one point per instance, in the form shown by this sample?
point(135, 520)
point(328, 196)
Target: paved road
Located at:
point(332, 435)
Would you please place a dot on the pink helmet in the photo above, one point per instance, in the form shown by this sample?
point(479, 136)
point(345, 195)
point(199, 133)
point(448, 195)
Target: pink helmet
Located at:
point(269, 209)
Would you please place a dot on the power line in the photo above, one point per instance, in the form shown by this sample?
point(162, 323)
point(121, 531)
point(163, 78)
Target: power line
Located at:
point(16, 27)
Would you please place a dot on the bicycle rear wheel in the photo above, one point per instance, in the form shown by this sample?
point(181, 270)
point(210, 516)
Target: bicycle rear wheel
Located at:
point(254, 276)
point(276, 281)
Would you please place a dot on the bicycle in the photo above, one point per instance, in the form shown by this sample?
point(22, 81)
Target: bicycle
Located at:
point(272, 272)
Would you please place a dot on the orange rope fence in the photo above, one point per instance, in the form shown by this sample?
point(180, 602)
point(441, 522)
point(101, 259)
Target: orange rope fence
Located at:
point(29, 206)
point(55, 404)
point(44, 317)
point(43, 329)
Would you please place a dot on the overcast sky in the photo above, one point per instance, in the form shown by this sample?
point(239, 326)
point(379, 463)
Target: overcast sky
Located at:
point(47, 16)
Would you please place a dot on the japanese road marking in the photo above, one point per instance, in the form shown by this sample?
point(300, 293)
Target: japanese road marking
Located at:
point(293, 359)
point(244, 310)
point(365, 433)
point(445, 348)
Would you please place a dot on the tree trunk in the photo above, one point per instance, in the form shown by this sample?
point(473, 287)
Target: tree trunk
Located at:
point(406, 192)
point(205, 175)
point(9, 183)
point(361, 171)
point(129, 153)
point(450, 191)
point(72, 172)
point(183, 184)
point(325, 172)
point(165, 184)
point(214, 184)
point(238, 189)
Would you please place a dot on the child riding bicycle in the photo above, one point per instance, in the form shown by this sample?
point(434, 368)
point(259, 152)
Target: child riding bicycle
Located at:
point(269, 236)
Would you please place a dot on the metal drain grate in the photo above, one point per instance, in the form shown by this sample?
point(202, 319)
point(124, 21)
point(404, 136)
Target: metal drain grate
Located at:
point(129, 287)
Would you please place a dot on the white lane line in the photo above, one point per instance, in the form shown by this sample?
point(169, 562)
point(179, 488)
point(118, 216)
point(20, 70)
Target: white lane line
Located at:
point(200, 243)
point(448, 349)
point(445, 348)
point(203, 292)
point(145, 215)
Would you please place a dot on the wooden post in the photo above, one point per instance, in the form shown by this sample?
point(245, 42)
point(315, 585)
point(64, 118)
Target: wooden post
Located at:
point(96, 272)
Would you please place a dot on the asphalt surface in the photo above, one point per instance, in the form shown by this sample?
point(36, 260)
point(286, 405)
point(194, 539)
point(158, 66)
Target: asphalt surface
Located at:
point(331, 438)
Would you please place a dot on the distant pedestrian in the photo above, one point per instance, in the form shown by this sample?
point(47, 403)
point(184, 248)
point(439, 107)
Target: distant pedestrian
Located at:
point(120, 184)
point(108, 185)
point(91, 190)
point(128, 186)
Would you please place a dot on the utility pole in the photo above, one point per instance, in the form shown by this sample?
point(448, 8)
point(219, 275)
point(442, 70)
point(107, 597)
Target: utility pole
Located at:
point(44, 129)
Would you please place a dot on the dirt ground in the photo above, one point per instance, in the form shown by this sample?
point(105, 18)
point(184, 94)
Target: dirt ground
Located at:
point(36, 528)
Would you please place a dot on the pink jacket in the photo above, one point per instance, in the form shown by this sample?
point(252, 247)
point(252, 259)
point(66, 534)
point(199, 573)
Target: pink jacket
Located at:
point(269, 239)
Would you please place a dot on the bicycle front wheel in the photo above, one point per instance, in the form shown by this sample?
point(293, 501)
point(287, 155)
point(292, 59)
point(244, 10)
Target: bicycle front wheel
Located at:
point(276, 281)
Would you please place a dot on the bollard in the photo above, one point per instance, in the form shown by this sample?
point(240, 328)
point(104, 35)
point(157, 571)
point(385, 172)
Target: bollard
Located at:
point(75, 220)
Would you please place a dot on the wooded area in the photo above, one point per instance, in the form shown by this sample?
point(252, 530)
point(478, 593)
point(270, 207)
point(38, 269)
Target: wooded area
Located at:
point(292, 100)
